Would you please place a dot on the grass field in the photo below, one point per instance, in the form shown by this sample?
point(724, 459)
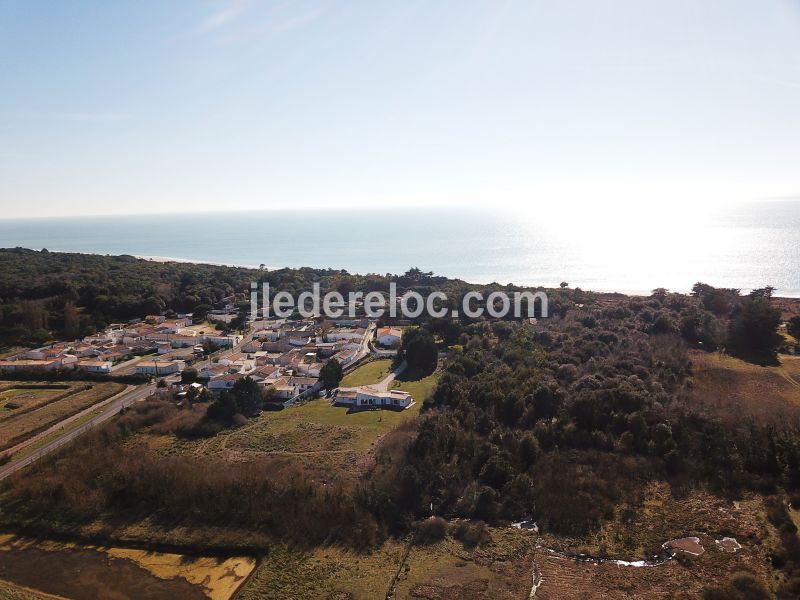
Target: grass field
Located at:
point(735, 390)
point(22, 426)
point(369, 373)
point(327, 442)
point(445, 570)
point(419, 389)
point(20, 397)
point(9, 591)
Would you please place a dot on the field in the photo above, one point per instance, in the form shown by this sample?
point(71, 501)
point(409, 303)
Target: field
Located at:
point(638, 532)
point(39, 408)
point(367, 374)
point(736, 390)
point(328, 442)
point(505, 566)
point(442, 570)
point(16, 398)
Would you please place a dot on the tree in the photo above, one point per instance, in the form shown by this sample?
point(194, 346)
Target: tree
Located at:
point(71, 320)
point(247, 396)
point(331, 374)
point(189, 375)
point(660, 293)
point(793, 326)
point(765, 292)
point(419, 350)
point(753, 329)
point(200, 312)
point(563, 285)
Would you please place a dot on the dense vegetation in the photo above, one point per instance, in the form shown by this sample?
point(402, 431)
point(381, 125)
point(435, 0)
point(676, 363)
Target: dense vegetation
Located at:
point(63, 295)
point(564, 420)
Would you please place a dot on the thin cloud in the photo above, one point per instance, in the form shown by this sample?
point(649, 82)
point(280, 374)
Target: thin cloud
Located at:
point(86, 116)
point(232, 10)
point(240, 21)
point(298, 21)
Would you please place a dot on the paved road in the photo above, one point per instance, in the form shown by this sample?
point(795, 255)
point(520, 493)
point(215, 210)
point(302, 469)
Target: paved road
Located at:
point(363, 349)
point(384, 384)
point(118, 403)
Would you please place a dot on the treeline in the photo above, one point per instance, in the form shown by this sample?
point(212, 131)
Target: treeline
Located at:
point(46, 295)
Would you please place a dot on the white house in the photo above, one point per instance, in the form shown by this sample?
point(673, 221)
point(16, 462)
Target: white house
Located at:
point(27, 364)
point(95, 366)
point(159, 368)
point(389, 336)
point(227, 341)
point(224, 382)
point(370, 397)
point(345, 333)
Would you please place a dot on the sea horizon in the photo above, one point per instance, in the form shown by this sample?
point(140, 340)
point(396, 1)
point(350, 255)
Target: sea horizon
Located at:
point(745, 247)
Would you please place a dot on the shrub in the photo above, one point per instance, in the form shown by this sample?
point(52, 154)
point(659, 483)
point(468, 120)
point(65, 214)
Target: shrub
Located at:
point(472, 534)
point(430, 531)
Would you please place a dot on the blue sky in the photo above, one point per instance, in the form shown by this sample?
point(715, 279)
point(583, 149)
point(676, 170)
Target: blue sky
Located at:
point(122, 107)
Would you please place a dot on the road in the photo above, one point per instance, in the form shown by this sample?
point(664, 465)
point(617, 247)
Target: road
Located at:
point(384, 384)
point(364, 349)
point(117, 403)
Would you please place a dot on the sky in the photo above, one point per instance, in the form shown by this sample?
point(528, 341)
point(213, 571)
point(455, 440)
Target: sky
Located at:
point(174, 106)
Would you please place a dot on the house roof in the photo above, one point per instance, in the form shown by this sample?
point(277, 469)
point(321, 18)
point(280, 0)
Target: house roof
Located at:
point(389, 331)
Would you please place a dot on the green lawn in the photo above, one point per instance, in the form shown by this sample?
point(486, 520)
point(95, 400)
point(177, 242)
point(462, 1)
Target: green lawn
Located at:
point(371, 372)
point(419, 389)
point(317, 427)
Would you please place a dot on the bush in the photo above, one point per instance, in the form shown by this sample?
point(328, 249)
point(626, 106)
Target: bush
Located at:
point(473, 534)
point(430, 531)
point(742, 585)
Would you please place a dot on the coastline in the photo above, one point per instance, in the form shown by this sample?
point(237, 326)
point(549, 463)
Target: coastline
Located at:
point(790, 294)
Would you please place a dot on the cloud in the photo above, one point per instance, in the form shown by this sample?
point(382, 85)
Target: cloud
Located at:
point(85, 116)
point(238, 21)
point(298, 21)
point(230, 12)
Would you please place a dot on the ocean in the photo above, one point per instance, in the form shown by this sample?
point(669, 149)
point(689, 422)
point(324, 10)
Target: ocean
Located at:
point(627, 250)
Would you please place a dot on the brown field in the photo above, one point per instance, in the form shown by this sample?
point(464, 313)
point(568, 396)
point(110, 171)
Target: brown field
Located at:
point(505, 567)
point(47, 410)
point(9, 591)
point(501, 569)
point(16, 398)
point(639, 531)
point(735, 390)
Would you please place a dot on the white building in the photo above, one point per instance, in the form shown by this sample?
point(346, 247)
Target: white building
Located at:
point(227, 341)
point(389, 336)
point(95, 366)
point(345, 333)
point(223, 382)
point(158, 368)
point(370, 397)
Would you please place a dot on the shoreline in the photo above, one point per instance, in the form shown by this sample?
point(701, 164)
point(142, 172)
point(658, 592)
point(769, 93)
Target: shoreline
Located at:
point(793, 294)
point(790, 295)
